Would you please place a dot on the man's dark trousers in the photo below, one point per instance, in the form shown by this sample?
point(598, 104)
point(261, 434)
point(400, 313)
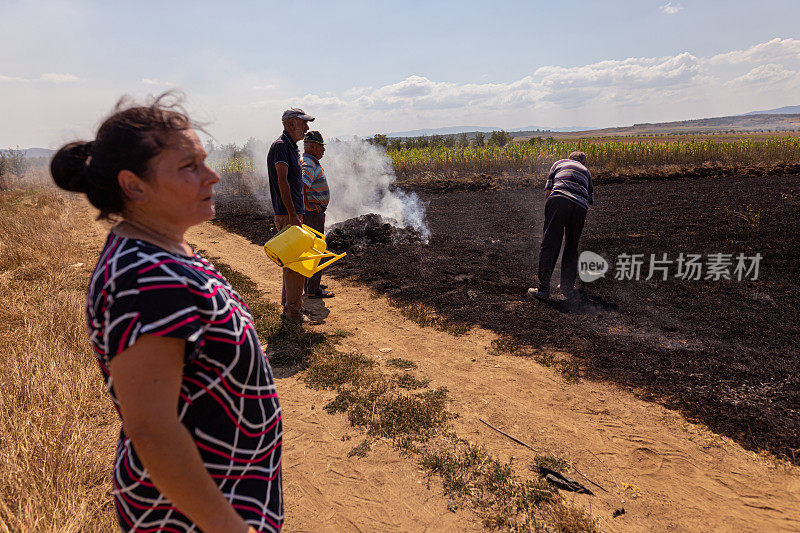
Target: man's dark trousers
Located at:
point(316, 220)
point(562, 217)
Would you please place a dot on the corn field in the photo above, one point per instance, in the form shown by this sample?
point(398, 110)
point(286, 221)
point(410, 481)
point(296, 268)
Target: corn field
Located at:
point(612, 156)
point(238, 176)
point(233, 165)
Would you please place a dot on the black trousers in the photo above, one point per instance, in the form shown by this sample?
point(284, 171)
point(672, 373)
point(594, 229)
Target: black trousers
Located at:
point(316, 220)
point(562, 218)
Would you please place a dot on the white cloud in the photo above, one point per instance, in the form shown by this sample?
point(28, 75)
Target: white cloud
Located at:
point(771, 51)
point(156, 82)
point(620, 81)
point(603, 93)
point(60, 78)
point(769, 76)
point(670, 9)
point(636, 87)
point(50, 77)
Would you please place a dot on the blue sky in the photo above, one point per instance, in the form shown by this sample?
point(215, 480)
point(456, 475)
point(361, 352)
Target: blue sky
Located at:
point(367, 67)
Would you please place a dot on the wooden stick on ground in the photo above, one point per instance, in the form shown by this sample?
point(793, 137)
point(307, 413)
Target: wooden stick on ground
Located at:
point(587, 479)
point(509, 436)
point(537, 451)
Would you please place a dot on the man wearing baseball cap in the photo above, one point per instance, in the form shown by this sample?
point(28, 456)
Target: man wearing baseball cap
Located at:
point(316, 196)
point(284, 168)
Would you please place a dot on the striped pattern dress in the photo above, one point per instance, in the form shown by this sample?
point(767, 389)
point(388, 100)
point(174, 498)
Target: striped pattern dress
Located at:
point(228, 400)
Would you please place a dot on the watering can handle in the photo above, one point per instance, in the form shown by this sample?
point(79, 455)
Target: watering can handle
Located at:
point(307, 257)
point(333, 259)
point(313, 230)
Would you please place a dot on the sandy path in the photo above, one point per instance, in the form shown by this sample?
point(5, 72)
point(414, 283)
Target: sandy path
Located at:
point(667, 473)
point(324, 489)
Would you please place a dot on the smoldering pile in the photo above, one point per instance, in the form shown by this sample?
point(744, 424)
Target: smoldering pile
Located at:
point(356, 234)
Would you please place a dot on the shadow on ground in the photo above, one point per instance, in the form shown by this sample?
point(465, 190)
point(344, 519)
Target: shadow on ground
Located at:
point(723, 352)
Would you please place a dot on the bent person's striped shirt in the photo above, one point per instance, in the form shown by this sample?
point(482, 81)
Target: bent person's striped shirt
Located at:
point(571, 180)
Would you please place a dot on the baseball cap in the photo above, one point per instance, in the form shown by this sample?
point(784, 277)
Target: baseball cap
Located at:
point(296, 112)
point(314, 136)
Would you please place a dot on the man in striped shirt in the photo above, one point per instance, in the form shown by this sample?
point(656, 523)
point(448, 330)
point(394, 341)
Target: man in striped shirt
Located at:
point(316, 197)
point(569, 193)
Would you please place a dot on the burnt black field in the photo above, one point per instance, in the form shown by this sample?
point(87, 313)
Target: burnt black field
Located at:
point(724, 352)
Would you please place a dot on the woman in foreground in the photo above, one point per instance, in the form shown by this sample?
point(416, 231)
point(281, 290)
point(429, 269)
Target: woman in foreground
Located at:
point(200, 446)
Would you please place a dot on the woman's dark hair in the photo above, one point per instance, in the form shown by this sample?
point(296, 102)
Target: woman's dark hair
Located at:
point(127, 140)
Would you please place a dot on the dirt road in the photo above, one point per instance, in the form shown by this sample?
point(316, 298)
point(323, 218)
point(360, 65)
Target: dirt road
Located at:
point(668, 474)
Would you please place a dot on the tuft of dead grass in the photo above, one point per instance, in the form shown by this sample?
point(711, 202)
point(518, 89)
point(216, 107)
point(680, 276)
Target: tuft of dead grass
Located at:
point(567, 368)
point(506, 501)
point(57, 426)
point(398, 362)
point(428, 318)
point(407, 381)
point(360, 450)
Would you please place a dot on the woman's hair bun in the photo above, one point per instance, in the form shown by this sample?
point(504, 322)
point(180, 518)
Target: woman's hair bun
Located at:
point(70, 166)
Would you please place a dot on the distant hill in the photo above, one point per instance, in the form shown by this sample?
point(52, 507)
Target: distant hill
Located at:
point(31, 153)
point(562, 129)
point(716, 125)
point(456, 130)
point(786, 110)
point(774, 120)
point(39, 152)
point(785, 118)
point(449, 130)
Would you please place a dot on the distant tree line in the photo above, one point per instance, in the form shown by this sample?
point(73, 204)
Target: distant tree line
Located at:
point(462, 140)
point(11, 162)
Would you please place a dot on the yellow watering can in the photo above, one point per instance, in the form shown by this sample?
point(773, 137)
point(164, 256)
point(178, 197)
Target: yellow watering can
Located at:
point(300, 248)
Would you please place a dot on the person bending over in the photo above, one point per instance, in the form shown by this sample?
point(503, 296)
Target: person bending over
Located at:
point(569, 194)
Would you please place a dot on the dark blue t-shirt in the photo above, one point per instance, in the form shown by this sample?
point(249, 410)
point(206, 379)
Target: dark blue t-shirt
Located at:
point(284, 150)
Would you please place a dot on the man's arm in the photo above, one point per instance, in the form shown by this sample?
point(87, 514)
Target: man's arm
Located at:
point(590, 189)
point(286, 192)
point(147, 382)
point(548, 185)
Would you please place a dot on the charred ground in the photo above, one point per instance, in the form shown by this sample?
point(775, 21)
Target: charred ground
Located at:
point(723, 352)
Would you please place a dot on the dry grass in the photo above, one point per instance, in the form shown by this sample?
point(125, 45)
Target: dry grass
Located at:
point(427, 317)
point(57, 427)
point(505, 500)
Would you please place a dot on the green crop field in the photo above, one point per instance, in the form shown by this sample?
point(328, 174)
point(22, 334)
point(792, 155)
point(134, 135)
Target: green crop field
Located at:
point(536, 156)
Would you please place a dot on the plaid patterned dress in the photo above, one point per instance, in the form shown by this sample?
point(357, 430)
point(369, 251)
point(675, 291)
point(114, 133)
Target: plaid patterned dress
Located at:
point(228, 400)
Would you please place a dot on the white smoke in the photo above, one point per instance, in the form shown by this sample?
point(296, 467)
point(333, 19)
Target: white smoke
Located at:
point(360, 177)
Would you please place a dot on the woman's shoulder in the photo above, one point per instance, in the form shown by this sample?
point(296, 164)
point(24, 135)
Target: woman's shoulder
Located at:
point(127, 263)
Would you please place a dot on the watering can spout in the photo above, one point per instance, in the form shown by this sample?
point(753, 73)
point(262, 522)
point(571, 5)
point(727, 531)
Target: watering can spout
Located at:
point(301, 249)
